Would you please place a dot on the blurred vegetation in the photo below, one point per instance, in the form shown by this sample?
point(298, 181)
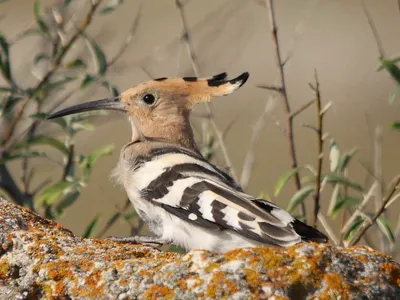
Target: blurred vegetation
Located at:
point(24, 108)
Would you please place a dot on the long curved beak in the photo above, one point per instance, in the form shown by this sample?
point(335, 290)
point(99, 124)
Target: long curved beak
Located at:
point(108, 103)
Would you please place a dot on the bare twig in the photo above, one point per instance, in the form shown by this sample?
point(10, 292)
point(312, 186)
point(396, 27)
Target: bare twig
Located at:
point(328, 229)
point(8, 184)
point(285, 100)
point(193, 60)
point(320, 152)
point(302, 108)
point(56, 63)
point(378, 213)
point(277, 89)
point(373, 29)
point(250, 155)
point(365, 201)
point(129, 37)
point(378, 175)
point(111, 221)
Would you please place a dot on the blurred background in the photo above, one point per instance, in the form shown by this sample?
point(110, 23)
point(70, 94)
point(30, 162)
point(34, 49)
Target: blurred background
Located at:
point(332, 37)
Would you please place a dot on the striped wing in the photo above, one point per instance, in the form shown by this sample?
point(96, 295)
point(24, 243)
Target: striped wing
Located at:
point(196, 191)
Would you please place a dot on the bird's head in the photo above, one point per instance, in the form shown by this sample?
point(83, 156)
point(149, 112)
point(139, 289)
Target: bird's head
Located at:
point(160, 108)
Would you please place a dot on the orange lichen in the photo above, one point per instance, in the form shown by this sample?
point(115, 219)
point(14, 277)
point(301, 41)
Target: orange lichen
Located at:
point(336, 287)
point(157, 292)
point(393, 271)
point(219, 282)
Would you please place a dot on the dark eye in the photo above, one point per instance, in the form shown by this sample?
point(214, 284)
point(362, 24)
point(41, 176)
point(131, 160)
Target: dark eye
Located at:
point(149, 99)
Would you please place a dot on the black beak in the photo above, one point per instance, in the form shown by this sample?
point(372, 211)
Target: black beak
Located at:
point(108, 103)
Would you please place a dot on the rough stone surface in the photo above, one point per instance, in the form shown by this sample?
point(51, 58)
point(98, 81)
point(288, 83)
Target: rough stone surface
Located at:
point(41, 259)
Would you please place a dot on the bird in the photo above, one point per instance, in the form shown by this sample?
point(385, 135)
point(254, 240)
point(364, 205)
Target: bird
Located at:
point(186, 200)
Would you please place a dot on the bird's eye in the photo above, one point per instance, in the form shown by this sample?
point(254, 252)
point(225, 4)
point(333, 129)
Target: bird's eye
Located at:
point(149, 99)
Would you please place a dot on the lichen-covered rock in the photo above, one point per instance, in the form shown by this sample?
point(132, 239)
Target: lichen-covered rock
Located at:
point(41, 259)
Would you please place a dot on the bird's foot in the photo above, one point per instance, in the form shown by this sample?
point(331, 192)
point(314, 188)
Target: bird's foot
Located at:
point(151, 241)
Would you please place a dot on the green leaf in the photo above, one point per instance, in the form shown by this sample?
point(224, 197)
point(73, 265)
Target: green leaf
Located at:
point(334, 155)
point(42, 117)
point(130, 215)
point(177, 249)
point(2, 1)
point(40, 57)
point(111, 6)
point(395, 125)
point(391, 67)
point(284, 179)
point(349, 234)
point(50, 195)
point(112, 88)
point(333, 179)
point(82, 125)
point(99, 57)
point(299, 197)
point(384, 226)
point(88, 80)
point(76, 63)
point(10, 102)
point(5, 89)
point(20, 155)
point(334, 198)
point(342, 204)
point(44, 140)
point(66, 202)
point(264, 196)
point(5, 59)
point(95, 155)
point(86, 163)
point(91, 227)
point(29, 32)
point(57, 84)
point(393, 95)
point(345, 160)
point(38, 12)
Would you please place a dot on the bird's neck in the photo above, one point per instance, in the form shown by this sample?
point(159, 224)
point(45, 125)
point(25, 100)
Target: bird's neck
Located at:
point(171, 132)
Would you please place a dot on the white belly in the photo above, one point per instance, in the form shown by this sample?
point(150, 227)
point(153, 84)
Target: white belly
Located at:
point(184, 234)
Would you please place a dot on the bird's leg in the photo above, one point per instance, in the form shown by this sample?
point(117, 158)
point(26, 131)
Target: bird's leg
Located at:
point(145, 240)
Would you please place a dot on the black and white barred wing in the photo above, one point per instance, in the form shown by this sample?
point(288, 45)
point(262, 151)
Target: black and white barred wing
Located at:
point(201, 194)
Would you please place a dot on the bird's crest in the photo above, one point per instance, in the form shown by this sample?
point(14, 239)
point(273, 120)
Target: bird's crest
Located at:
point(198, 90)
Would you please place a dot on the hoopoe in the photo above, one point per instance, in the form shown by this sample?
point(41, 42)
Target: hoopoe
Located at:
point(185, 199)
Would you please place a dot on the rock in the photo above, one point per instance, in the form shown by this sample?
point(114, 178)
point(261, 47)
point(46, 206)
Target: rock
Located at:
point(41, 259)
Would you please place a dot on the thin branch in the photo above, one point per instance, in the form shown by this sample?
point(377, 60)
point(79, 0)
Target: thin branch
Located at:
point(193, 60)
point(365, 201)
point(320, 152)
point(373, 29)
point(111, 221)
point(270, 88)
point(285, 100)
point(70, 161)
point(328, 229)
point(8, 184)
point(378, 213)
point(302, 108)
point(250, 155)
point(129, 37)
point(378, 174)
point(56, 63)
